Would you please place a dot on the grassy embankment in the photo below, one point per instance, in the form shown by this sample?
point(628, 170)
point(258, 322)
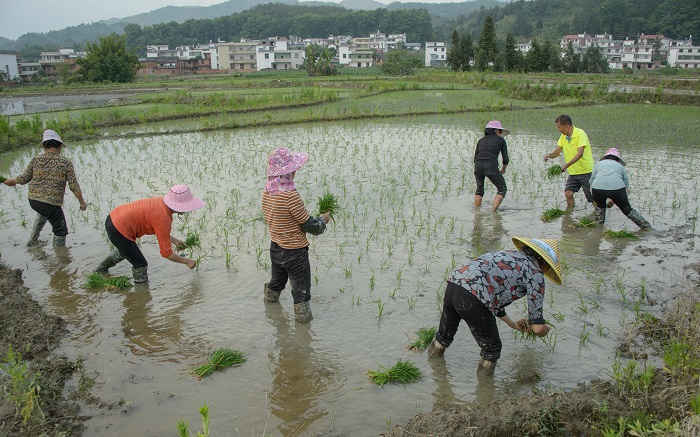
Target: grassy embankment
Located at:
point(227, 102)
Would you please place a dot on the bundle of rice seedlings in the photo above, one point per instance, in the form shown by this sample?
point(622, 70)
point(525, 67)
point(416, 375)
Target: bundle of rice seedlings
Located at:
point(585, 222)
point(525, 335)
point(554, 171)
point(328, 203)
point(96, 280)
point(551, 214)
point(192, 239)
point(403, 372)
point(422, 339)
point(219, 359)
point(620, 234)
point(2, 179)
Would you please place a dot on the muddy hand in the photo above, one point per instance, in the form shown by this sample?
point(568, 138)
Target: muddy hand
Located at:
point(523, 325)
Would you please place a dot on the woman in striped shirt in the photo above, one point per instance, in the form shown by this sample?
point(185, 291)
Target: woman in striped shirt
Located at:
point(288, 221)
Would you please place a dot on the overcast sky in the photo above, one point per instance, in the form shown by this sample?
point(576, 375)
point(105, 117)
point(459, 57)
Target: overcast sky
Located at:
point(18, 17)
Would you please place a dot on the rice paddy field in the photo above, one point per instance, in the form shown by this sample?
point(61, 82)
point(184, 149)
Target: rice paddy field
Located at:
point(405, 188)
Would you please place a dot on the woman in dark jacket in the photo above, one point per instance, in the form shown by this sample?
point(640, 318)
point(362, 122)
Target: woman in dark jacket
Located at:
point(486, 162)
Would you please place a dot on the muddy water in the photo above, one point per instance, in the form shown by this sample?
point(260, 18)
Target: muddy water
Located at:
point(405, 187)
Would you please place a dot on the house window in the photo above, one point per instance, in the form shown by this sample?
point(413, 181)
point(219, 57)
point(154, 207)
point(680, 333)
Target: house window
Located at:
point(345, 56)
point(267, 56)
point(242, 66)
point(252, 56)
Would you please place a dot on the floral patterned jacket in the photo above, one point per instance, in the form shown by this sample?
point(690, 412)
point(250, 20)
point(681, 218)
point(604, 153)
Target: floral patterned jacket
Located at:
point(499, 278)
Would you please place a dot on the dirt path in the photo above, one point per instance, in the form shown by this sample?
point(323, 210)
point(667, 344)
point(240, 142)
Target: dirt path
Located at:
point(29, 330)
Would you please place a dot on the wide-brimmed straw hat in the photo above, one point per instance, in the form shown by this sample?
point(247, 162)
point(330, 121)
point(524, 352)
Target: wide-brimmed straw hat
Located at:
point(495, 124)
point(548, 249)
point(613, 152)
point(282, 161)
point(51, 135)
point(180, 199)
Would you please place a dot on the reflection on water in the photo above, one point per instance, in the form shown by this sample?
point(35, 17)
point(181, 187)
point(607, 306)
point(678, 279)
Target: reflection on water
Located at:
point(581, 241)
point(159, 331)
point(443, 393)
point(487, 232)
point(300, 375)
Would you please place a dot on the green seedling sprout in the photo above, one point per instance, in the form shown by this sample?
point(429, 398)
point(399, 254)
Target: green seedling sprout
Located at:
point(192, 239)
point(585, 222)
point(422, 339)
point(2, 179)
point(551, 214)
point(620, 234)
point(403, 372)
point(219, 359)
point(554, 171)
point(97, 280)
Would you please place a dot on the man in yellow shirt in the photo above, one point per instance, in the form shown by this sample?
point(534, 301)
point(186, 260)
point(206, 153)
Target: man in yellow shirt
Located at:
point(578, 159)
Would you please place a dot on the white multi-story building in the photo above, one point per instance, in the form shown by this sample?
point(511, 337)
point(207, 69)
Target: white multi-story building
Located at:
point(687, 56)
point(637, 56)
point(240, 57)
point(158, 51)
point(355, 57)
point(8, 64)
point(435, 54)
point(276, 54)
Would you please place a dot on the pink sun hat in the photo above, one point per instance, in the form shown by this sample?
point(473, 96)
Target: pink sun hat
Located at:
point(282, 161)
point(180, 199)
point(495, 124)
point(616, 153)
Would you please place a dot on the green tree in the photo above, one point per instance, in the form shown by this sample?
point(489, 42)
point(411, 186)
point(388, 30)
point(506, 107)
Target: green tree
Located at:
point(594, 61)
point(487, 48)
point(454, 55)
point(572, 61)
point(510, 54)
point(533, 59)
point(108, 61)
point(467, 52)
point(401, 63)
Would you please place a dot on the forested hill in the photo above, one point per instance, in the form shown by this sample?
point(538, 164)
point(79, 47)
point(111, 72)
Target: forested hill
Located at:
point(552, 19)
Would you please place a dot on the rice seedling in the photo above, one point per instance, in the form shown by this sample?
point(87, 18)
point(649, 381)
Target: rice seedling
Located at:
point(328, 204)
point(192, 240)
point(585, 222)
point(551, 214)
point(2, 179)
point(620, 234)
point(219, 359)
point(553, 171)
point(97, 280)
point(403, 372)
point(422, 339)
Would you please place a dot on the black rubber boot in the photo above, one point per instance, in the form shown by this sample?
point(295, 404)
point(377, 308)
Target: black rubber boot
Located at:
point(270, 296)
point(599, 214)
point(140, 274)
point(112, 260)
point(59, 241)
point(638, 220)
point(436, 349)
point(302, 312)
point(39, 223)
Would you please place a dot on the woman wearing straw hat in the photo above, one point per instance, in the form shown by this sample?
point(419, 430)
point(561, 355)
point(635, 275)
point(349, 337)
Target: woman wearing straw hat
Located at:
point(481, 289)
point(609, 181)
point(288, 221)
point(152, 216)
point(486, 162)
point(47, 175)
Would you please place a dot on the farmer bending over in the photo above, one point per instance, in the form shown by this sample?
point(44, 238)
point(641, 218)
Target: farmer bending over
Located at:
point(481, 289)
point(288, 222)
point(152, 216)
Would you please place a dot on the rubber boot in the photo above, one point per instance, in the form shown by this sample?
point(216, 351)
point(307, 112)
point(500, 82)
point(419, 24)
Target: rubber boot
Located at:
point(140, 274)
point(59, 241)
point(599, 213)
point(436, 349)
point(486, 367)
point(638, 220)
point(112, 260)
point(39, 223)
point(302, 312)
point(270, 296)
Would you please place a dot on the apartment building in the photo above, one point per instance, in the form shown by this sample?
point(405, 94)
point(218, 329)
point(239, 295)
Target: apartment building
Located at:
point(238, 57)
point(435, 54)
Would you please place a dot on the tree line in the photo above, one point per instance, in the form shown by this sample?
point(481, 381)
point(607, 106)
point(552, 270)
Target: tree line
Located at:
point(490, 53)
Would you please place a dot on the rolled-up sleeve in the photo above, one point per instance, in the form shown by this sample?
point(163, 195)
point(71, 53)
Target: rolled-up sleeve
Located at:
point(314, 226)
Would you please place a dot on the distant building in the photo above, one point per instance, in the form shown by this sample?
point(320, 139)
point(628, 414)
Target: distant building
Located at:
point(684, 56)
point(275, 54)
point(9, 64)
point(238, 57)
point(435, 54)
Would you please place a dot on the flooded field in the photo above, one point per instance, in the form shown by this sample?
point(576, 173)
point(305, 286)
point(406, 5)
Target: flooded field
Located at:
point(405, 187)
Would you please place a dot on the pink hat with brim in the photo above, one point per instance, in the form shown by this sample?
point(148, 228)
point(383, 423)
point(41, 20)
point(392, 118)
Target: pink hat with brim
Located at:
point(616, 153)
point(51, 135)
point(495, 124)
point(180, 199)
point(282, 161)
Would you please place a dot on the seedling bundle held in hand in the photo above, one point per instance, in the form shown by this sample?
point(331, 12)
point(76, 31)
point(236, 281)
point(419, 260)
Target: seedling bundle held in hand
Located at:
point(96, 280)
point(328, 204)
point(423, 338)
point(219, 359)
point(403, 372)
point(2, 179)
point(553, 171)
point(192, 240)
